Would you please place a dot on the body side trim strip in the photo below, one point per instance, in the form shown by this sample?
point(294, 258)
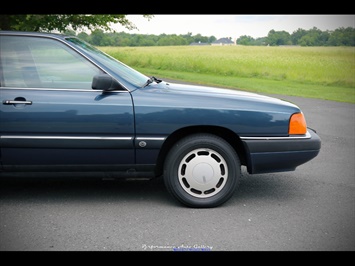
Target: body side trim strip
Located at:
point(64, 137)
point(306, 136)
point(150, 138)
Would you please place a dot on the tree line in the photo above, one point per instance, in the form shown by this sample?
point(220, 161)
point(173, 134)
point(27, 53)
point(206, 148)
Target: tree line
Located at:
point(102, 35)
point(313, 37)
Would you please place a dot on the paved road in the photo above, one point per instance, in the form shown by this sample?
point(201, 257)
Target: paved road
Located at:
point(311, 209)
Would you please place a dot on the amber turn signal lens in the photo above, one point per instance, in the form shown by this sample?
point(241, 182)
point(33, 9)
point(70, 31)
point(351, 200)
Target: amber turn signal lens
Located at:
point(298, 125)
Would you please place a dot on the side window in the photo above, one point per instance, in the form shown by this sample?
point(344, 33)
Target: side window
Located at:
point(29, 62)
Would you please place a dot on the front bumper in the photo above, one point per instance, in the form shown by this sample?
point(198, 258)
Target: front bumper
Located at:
point(266, 155)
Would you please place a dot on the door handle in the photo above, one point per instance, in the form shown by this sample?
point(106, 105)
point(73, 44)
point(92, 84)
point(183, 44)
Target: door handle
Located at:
point(9, 102)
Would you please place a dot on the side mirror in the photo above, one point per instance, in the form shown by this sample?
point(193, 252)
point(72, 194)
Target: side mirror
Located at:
point(105, 82)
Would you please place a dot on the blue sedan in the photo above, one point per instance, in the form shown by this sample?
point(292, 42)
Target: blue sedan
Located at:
point(68, 109)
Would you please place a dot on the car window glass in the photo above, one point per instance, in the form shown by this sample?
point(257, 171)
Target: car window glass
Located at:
point(30, 62)
point(125, 72)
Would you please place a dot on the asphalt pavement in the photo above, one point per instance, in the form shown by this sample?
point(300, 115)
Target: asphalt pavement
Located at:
point(310, 209)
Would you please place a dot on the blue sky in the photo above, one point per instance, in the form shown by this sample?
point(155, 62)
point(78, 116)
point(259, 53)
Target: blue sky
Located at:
point(235, 26)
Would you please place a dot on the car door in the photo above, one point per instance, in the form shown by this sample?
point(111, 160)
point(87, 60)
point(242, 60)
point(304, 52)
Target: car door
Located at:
point(50, 118)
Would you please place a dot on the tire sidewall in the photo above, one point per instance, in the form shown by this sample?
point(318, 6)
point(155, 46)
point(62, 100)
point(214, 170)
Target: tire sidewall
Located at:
point(188, 144)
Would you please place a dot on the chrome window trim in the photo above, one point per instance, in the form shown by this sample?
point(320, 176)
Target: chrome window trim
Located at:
point(59, 89)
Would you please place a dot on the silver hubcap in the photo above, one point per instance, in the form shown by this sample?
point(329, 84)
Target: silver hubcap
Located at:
point(203, 173)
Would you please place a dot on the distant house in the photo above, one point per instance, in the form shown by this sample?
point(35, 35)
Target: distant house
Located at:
point(223, 41)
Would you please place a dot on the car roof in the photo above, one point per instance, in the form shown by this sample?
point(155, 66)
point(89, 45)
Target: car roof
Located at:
point(33, 33)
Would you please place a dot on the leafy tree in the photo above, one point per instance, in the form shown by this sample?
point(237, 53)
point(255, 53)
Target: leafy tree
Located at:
point(260, 41)
point(313, 37)
point(61, 23)
point(188, 37)
point(297, 35)
point(99, 38)
point(169, 40)
point(84, 36)
point(342, 37)
point(198, 38)
point(245, 40)
point(211, 39)
point(278, 38)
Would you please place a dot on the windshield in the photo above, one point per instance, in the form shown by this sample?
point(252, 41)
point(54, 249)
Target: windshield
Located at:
point(125, 72)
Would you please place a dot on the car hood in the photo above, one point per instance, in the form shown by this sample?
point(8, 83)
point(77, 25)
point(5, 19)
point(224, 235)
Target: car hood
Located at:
point(210, 90)
point(223, 93)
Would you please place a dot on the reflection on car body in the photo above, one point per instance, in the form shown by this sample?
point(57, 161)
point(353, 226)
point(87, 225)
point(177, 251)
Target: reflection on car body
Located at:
point(69, 109)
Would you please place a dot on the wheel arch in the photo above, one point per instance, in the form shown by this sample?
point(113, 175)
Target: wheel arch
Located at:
point(231, 137)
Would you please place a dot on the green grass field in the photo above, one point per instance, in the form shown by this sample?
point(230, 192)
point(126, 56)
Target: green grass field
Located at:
point(318, 72)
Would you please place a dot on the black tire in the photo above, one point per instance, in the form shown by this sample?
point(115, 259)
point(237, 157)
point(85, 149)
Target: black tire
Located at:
point(202, 171)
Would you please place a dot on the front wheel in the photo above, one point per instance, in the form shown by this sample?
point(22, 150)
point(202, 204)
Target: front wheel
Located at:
point(202, 170)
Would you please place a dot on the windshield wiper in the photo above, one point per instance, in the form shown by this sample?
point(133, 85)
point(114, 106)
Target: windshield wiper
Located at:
point(156, 80)
point(151, 80)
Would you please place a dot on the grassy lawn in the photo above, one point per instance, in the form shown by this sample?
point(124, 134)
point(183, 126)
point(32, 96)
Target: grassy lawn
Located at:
point(332, 93)
point(317, 72)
